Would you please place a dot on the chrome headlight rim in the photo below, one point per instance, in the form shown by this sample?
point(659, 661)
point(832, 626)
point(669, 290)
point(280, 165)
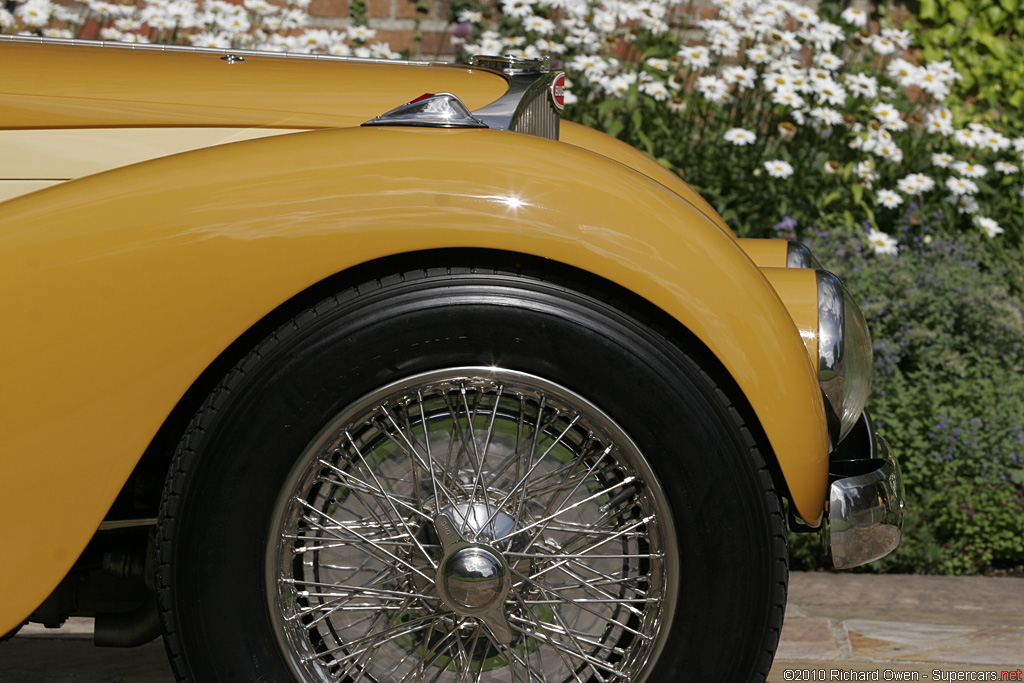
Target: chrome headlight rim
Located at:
point(798, 255)
point(844, 356)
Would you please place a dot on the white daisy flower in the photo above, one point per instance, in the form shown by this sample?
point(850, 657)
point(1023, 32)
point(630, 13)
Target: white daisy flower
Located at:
point(805, 15)
point(961, 186)
point(619, 85)
point(990, 227)
point(942, 160)
point(695, 57)
point(865, 170)
point(825, 35)
point(967, 137)
point(827, 60)
point(759, 54)
point(932, 84)
point(882, 45)
point(854, 17)
point(744, 78)
point(831, 92)
point(885, 113)
point(901, 37)
point(827, 116)
point(776, 80)
point(540, 25)
point(739, 137)
point(35, 12)
point(778, 168)
point(862, 85)
point(915, 183)
point(996, 142)
point(889, 151)
point(517, 8)
point(655, 89)
point(904, 72)
point(964, 203)
point(940, 121)
point(1006, 168)
point(713, 88)
point(970, 170)
point(363, 33)
point(889, 199)
point(788, 97)
point(208, 39)
point(882, 243)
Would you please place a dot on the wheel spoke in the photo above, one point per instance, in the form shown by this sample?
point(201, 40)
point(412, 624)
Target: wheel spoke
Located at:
point(533, 481)
point(390, 502)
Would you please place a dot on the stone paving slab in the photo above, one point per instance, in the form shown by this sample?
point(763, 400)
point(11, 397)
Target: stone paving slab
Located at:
point(840, 670)
point(938, 622)
point(838, 627)
point(903, 642)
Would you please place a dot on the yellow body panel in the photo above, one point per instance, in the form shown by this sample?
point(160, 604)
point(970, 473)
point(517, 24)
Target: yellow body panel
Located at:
point(605, 145)
point(121, 287)
point(63, 154)
point(766, 253)
point(798, 289)
point(10, 189)
point(69, 86)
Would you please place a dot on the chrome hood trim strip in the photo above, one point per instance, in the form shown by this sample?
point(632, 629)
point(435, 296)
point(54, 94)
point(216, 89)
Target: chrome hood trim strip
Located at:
point(229, 55)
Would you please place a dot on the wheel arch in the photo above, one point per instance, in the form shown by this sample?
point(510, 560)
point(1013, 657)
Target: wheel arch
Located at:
point(155, 461)
point(210, 241)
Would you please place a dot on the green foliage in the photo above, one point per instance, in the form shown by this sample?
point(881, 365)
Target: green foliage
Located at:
point(948, 394)
point(847, 160)
point(985, 41)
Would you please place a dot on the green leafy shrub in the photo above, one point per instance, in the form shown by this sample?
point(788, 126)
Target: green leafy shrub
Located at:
point(771, 109)
point(947, 322)
point(985, 41)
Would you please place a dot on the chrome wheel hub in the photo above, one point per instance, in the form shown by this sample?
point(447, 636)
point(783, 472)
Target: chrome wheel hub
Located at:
point(472, 579)
point(472, 524)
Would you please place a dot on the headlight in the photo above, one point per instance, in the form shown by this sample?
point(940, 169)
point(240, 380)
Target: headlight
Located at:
point(844, 356)
point(799, 256)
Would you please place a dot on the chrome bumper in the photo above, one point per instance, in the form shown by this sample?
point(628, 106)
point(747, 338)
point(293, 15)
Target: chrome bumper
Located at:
point(866, 506)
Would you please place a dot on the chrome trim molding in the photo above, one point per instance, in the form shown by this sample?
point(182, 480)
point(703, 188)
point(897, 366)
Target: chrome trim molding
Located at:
point(226, 54)
point(831, 349)
point(443, 110)
point(798, 255)
point(512, 66)
point(866, 510)
point(844, 356)
point(527, 107)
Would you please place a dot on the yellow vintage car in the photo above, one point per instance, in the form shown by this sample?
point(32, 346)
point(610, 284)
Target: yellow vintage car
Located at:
point(340, 370)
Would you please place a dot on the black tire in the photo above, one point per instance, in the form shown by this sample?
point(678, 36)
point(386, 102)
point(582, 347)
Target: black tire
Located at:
point(715, 540)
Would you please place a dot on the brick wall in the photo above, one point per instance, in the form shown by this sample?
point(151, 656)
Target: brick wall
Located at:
point(395, 22)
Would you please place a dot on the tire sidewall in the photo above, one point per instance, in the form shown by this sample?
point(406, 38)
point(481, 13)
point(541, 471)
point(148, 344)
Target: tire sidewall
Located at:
point(243, 446)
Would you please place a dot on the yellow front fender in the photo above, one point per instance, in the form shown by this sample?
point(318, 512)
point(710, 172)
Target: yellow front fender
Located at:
point(120, 288)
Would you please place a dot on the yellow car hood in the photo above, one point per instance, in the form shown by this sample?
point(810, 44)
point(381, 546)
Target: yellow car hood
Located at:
point(80, 85)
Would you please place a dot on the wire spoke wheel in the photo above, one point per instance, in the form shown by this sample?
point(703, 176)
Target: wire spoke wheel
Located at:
point(472, 524)
point(454, 475)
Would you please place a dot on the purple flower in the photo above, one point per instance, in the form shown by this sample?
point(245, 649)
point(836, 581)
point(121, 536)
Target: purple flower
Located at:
point(787, 223)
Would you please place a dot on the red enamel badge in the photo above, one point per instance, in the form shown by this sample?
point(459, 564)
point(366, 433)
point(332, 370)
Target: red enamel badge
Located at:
point(558, 91)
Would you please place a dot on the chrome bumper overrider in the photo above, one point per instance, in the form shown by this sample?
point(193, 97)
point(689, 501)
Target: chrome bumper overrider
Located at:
point(866, 506)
